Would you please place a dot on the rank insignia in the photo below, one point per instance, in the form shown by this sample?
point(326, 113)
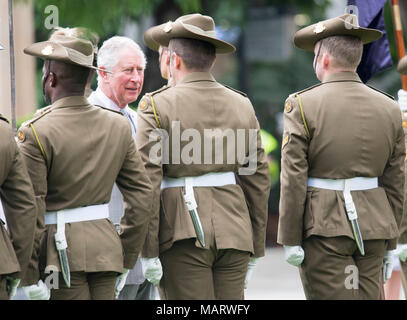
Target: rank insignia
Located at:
point(47, 50)
point(20, 136)
point(288, 107)
point(319, 27)
point(143, 105)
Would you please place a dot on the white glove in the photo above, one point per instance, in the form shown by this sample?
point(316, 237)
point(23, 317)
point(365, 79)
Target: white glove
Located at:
point(250, 268)
point(38, 291)
point(120, 282)
point(152, 269)
point(387, 265)
point(294, 255)
point(401, 252)
point(12, 284)
point(402, 99)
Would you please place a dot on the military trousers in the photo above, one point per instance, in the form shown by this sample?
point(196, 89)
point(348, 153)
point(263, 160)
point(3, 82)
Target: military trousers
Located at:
point(333, 268)
point(193, 273)
point(142, 291)
point(86, 286)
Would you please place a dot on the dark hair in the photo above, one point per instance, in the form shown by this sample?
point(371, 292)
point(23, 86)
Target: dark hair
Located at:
point(346, 50)
point(196, 54)
point(72, 75)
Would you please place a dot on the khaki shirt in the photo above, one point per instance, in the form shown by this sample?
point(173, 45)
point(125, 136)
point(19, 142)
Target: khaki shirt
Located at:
point(233, 215)
point(351, 131)
point(83, 152)
point(17, 197)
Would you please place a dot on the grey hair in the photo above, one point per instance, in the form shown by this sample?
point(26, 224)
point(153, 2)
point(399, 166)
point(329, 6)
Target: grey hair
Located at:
point(107, 55)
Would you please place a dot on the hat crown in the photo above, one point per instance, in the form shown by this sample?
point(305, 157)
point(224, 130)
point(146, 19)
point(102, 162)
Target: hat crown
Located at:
point(82, 46)
point(200, 21)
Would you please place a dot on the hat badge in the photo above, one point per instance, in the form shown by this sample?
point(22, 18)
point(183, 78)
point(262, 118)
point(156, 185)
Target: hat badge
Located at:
point(47, 50)
point(168, 26)
point(319, 27)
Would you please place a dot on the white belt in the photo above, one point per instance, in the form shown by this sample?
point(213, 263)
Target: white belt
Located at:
point(99, 211)
point(345, 185)
point(212, 179)
point(357, 183)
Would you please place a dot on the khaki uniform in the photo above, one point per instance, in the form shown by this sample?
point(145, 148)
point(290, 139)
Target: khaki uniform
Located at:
point(74, 153)
point(341, 129)
point(17, 197)
point(233, 216)
point(403, 228)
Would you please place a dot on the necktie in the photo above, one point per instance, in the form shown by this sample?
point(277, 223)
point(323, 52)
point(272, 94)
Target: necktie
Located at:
point(133, 127)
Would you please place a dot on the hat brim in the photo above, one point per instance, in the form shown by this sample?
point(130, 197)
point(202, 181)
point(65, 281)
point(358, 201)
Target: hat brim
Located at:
point(59, 53)
point(181, 30)
point(306, 38)
point(148, 38)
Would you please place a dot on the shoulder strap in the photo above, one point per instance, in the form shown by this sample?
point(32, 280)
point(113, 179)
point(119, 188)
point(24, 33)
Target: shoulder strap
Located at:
point(38, 142)
point(382, 92)
point(155, 112)
point(235, 90)
point(303, 115)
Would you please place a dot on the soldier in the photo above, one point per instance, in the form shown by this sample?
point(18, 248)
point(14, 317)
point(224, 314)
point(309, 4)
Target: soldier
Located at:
point(124, 58)
point(342, 171)
point(211, 220)
point(401, 250)
point(86, 34)
point(75, 152)
point(17, 199)
point(163, 57)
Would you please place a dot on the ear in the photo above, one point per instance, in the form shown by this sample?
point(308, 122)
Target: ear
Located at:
point(326, 60)
point(167, 58)
point(213, 63)
point(177, 61)
point(53, 80)
point(103, 74)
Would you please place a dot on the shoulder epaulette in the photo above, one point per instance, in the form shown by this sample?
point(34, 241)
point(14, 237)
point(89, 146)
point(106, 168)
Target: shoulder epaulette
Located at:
point(97, 105)
point(38, 115)
point(385, 93)
point(235, 90)
point(3, 118)
point(163, 88)
point(306, 89)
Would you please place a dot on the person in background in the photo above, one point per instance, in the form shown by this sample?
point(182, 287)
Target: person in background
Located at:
point(116, 90)
point(342, 170)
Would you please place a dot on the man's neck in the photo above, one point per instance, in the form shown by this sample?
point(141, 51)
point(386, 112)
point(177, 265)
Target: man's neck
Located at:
point(107, 91)
point(334, 70)
point(59, 95)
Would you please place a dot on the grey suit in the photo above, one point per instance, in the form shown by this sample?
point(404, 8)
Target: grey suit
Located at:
point(116, 210)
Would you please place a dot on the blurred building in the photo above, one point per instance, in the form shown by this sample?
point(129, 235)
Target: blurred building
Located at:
point(23, 17)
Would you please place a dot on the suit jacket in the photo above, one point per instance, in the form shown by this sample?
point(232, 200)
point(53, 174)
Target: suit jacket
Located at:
point(75, 152)
point(346, 130)
point(116, 206)
point(233, 215)
point(18, 202)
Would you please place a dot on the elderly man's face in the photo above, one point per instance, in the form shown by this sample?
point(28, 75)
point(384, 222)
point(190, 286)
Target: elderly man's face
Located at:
point(127, 79)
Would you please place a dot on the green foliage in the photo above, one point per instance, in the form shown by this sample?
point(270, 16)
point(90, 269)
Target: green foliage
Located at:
point(101, 16)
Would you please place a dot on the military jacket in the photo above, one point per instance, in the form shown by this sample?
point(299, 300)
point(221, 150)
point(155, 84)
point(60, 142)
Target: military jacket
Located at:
point(233, 215)
point(17, 197)
point(341, 129)
point(75, 152)
point(403, 227)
